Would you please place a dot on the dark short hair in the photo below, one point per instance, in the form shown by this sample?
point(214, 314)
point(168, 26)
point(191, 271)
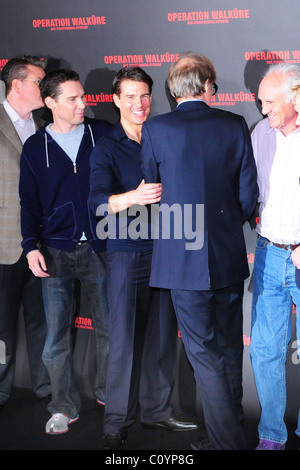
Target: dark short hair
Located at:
point(17, 68)
point(50, 85)
point(131, 73)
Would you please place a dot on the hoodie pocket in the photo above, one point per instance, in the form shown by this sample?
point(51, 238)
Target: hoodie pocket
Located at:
point(61, 223)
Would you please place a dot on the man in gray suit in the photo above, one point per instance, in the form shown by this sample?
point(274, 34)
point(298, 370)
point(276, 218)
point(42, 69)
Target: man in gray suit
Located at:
point(18, 286)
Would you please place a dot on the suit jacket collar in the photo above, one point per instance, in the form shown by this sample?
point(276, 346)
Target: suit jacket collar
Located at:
point(7, 127)
point(191, 105)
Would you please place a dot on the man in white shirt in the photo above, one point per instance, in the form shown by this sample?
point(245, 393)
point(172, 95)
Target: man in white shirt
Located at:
point(24, 127)
point(18, 286)
point(276, 146)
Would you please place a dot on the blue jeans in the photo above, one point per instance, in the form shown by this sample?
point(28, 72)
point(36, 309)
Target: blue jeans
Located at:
point(274, 293)
point(59, 294)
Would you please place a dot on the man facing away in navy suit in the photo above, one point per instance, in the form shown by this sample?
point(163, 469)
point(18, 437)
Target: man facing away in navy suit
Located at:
point(203, 158)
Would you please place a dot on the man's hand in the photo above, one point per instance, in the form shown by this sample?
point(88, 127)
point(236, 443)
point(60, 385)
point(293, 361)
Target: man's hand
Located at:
point(144, 194)
point(147, 193)
point(36, 263)
point(296, 257)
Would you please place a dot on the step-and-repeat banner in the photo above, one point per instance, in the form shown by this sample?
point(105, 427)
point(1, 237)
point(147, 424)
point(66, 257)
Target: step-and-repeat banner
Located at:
point(97, 37)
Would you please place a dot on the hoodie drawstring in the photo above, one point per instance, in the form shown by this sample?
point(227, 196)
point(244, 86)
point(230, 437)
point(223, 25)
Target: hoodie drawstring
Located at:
point(46, 147)
point(46, 150)
point(92, 137)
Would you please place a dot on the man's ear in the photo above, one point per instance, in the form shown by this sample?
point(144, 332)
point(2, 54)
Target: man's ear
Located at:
point(16, 85)
point(116, 100)
point(206, 86)
point(49, 102)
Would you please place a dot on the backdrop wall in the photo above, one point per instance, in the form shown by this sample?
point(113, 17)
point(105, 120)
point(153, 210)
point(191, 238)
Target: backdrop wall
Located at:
point(98, 37)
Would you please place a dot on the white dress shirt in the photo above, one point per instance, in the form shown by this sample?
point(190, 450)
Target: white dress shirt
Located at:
point(278, 166)
point(24, 128)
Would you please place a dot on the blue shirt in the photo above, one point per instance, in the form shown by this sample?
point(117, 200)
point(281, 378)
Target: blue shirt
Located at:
point(116, 169)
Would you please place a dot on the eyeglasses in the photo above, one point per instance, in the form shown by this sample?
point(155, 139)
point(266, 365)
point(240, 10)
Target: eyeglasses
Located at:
point(35, 80)
point(215, 88)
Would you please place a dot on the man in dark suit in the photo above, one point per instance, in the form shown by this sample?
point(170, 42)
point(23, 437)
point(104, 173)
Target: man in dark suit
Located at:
point(203, 159)
point(18, 287)
point(142, 340)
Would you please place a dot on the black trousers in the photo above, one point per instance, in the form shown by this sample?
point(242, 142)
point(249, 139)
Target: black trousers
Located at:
point(210, 323)
point(19, 288)
point(142, 344)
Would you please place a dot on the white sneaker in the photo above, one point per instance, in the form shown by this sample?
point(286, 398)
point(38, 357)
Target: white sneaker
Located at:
point(58, 423)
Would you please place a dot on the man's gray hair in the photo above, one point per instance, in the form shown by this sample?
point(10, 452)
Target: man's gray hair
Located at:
point(291, 75)
point(188, 75)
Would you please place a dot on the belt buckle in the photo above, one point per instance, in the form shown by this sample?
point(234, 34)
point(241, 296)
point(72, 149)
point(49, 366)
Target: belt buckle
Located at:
point(81, 242)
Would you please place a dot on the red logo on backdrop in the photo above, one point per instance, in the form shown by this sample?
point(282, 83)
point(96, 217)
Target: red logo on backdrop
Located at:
point(230, 99)
point(95, 99)
point(3, 62)
point(59, 24)
point(250, 258)
point(246, 340)
point(142, 60)
point(273, 57)
point(84, 323)
point(209, 16)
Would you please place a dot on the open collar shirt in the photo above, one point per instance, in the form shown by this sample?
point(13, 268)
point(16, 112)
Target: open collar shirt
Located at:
point(24, 128)
point(278, 166)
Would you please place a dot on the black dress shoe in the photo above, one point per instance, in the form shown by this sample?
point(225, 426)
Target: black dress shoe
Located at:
point(173, 424)
point(112, 442)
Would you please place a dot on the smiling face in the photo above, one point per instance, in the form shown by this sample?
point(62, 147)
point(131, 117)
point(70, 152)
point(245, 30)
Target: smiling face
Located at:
point(281, 114)
point(68, 108)
point(297, 108)
point(134, 102)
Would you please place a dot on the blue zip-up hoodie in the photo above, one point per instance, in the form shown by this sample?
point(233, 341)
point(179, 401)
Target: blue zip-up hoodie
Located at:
point(54, 192)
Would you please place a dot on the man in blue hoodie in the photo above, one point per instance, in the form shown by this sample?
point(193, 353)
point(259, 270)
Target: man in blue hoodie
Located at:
point(59, 236)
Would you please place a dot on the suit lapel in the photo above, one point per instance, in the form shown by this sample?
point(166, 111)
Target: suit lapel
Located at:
point(7, 127)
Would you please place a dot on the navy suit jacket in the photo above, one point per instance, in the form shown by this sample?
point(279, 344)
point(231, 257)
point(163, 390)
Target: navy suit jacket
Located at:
point(203, 158)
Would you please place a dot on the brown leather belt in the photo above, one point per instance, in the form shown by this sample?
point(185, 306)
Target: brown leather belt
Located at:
point(286, 247)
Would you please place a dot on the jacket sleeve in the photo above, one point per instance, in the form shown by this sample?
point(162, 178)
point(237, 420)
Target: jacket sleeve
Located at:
point(149, 164)
point(248, 187)
point(31, 209)
point(101, 179)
